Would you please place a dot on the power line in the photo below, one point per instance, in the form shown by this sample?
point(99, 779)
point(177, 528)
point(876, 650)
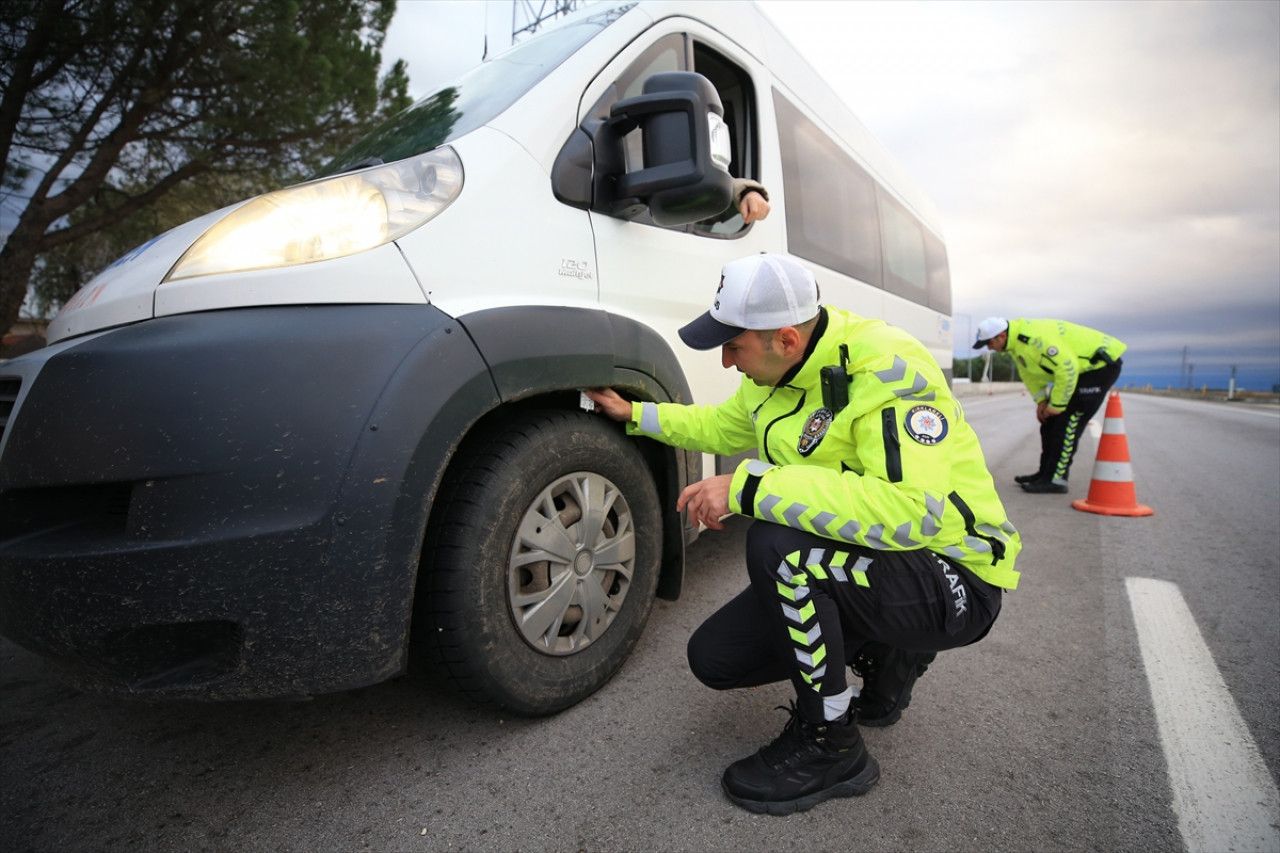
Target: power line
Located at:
point(546, 10)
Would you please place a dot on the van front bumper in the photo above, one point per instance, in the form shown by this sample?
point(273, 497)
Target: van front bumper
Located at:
point(229, 504)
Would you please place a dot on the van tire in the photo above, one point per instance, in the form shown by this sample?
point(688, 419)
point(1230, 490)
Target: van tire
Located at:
point(503, 479)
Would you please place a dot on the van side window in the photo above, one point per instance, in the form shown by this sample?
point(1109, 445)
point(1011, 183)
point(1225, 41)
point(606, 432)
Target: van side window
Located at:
point(737, 95)
point(905, 271)
point(831, 200)
point(935, 255)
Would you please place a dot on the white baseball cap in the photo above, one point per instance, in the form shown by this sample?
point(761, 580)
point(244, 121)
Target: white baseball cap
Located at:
point(764, 291)
point(988, 329)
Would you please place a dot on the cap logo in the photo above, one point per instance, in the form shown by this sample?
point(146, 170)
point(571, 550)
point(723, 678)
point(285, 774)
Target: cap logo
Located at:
point(718, 289)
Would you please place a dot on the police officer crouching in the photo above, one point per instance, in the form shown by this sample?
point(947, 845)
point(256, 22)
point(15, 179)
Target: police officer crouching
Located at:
point(879, 538)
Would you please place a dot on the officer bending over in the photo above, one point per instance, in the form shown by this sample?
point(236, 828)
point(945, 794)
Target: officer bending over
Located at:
point(1068, 370)
point(879, 537)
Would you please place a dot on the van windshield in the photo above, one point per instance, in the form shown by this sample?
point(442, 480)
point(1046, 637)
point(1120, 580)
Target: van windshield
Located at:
point(474, 99)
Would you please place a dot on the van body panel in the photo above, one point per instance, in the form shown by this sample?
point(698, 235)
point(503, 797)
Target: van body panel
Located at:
point(929, 327)
point(668, 257)
point(528, 248)
point(254, 519)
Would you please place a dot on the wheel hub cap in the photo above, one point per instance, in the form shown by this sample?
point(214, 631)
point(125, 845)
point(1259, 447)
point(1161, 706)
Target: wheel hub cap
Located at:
point(571, 563)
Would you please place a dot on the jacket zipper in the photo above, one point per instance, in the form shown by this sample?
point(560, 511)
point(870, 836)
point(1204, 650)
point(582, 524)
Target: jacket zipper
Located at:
point(892, 445)
point(765, 442)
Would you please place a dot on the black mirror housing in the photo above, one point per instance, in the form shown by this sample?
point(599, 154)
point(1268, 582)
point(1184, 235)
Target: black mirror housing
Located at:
point(679, 181)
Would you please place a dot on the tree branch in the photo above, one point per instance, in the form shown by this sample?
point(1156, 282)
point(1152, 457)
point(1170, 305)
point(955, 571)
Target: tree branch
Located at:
point(21, 82)
point(124, 209)
point(99, 165)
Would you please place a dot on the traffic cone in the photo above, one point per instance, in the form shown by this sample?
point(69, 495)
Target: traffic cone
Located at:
point(1111, 492)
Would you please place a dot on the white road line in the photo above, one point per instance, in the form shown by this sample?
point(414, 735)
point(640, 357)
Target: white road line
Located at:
point(1223, 793)
point(1273, 415)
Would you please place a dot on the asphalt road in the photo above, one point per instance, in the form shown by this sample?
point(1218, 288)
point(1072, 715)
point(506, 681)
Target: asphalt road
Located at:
point(1043, 736)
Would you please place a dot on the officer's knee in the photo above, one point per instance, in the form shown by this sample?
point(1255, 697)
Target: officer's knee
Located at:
point(703, 662)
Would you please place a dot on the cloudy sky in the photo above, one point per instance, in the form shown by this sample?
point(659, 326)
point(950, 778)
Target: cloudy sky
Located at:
point(1116, 164)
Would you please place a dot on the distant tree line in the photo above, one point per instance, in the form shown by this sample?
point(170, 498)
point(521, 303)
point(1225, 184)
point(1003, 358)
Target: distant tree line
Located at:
point(1002, 369)
point(120, 119)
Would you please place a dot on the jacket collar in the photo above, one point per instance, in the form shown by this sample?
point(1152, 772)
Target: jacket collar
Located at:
point(804, 372)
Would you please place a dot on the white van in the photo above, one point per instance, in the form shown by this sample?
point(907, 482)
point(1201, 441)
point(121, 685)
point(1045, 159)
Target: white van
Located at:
point(267, 447)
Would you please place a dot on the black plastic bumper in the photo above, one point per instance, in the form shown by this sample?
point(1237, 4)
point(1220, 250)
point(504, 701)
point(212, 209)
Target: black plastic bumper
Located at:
point(231, 504)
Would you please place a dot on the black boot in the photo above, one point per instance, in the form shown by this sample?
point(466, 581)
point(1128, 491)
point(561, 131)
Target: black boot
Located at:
point(1046, 487)
point(1026, 478)
point(803, 766)
point(888, 675)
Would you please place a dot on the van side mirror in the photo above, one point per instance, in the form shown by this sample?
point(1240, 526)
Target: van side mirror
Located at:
point(683, 179)
point(685, 148)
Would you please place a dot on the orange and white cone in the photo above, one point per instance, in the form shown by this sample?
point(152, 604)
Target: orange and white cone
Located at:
point(1111, 492)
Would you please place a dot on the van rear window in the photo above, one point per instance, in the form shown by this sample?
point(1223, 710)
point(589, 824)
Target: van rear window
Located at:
point(476, 98)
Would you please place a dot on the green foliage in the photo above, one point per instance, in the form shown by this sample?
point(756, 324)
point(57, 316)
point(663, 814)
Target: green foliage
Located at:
point(1002, 369)
point(123, 118)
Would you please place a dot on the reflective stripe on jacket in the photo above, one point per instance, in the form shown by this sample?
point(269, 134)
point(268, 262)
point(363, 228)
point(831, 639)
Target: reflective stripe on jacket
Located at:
point(898, 469)
point(1055, 352)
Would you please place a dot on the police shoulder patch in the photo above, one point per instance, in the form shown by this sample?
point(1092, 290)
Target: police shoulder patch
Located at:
point(926, 425)
point(814, 429)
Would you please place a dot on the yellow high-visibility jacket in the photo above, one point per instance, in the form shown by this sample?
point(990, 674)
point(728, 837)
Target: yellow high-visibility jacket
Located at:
point(1055, 353)
point(898, 469)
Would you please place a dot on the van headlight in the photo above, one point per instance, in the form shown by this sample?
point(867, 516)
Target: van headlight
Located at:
point(328, 218)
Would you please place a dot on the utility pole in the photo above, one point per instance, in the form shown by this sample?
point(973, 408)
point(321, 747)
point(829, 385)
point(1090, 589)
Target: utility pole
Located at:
point(1231, 385)
point(1184, 377)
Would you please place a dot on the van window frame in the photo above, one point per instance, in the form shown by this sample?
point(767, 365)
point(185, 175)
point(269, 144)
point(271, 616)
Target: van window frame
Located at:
point(751, 168)
point(788, 116)
point(895, 283)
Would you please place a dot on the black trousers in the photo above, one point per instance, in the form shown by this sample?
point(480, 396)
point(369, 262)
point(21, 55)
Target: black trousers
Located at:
point(814, 602)
point(1060, 434)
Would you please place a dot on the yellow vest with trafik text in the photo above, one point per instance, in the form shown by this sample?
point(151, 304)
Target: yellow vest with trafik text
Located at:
point(898, 469)
point(1051, 355)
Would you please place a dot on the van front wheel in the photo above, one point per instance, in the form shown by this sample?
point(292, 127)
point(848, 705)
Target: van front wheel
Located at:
point(543, 562)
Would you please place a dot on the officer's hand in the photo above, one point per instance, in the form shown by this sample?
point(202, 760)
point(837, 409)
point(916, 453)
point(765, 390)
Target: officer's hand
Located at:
point(1050, 411)
point(610, 403)
point(753, 207)
point(707, 500)
point(1040, 407)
